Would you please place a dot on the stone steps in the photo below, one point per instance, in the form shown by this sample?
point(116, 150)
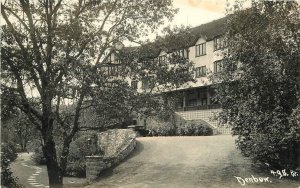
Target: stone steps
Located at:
point(207, 116)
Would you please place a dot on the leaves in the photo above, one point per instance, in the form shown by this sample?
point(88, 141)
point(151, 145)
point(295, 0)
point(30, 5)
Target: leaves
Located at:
point(259, 97)
point(51, 54)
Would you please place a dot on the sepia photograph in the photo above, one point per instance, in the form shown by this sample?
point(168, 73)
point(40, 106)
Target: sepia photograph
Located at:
point(150, 93)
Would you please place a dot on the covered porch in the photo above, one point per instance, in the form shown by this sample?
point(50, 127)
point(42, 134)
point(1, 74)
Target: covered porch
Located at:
point(197, 99)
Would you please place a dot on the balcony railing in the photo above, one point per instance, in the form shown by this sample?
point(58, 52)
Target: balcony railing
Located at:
point(204, 107)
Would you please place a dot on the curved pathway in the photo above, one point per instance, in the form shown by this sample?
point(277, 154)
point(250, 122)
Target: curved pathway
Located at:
point(28, 174)
point(186, 162)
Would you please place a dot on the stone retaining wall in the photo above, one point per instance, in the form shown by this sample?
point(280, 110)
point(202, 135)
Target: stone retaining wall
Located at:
point(119, 143)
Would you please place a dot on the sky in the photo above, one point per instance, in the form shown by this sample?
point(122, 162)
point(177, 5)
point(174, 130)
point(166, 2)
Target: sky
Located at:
point(197, 12)
point(192, 13)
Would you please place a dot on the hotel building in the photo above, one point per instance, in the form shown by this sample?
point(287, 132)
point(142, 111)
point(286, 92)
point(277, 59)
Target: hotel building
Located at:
point(204, 49)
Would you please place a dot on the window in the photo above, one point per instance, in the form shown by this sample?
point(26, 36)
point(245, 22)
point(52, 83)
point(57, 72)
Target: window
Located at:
point(118, 61)
point(112, 69)
point(218, 66)
point(108, 59)
point(233, 66)
point(200, 49)
point(219, 43)
point(162, 59)
point(145, 84)
point(182, 53)
point(134, 84)
point(200, 71)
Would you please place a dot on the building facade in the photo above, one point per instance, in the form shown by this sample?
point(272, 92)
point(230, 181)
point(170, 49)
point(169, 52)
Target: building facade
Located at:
point(205, 50)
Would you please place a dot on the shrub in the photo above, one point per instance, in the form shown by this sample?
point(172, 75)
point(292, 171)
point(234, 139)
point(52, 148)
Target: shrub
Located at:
point(38, 156)
point(7, 178)
point(158, 127)
point(259, 101)
point(194, 128)
point(9, 150)
point(78, 150)
point(175, 125)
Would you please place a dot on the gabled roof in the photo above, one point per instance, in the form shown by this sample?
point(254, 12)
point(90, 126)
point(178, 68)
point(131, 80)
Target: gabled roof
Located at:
point(208, 31)
point(211, 30)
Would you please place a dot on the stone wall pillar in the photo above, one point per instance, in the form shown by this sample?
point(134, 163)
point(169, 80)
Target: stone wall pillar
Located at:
point(94, 166)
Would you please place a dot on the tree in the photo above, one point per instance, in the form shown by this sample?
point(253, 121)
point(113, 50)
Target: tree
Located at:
point(259, 86)
point(18, 130)
point(53, 54)
point(16, 127)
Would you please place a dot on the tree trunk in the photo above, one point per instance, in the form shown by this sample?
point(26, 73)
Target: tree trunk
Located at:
point(55, 174)
point(54, 171)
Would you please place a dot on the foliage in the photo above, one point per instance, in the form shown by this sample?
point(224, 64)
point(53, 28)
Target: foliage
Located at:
point(7, 179)
point(176, 126)
point(8, 148)
point(259, 85)
point(18, 129)
point(79, 149)
point(195, 128)
point(15, 126)
point(159, 127)
point(53, 53)
point(38, 156)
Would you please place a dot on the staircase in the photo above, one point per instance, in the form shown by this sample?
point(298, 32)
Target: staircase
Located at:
point(207, 116)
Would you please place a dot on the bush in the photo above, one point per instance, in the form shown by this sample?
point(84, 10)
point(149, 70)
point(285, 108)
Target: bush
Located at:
point(35, 146)
point(177, 126)
point(158, 127)
point(194, 128)
point(9, 150)
point(78, 150)
point(7, 178)
point(38, 156)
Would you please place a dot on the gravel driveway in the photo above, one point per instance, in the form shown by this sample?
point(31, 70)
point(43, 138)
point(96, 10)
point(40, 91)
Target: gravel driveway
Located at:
point(187, 162)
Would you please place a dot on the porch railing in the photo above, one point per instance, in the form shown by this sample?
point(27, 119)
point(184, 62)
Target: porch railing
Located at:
point(204, 107)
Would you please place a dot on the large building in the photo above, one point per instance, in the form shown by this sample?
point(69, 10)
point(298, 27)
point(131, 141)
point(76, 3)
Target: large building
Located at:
point(204, 49)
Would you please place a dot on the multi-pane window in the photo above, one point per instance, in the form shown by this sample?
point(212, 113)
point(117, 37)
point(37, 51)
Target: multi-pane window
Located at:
point(219, 43)
point(162, 59)
point(112, 70)
point(218, 66)
point(200, 71)
point(118, 61)
point(200, 49)
point(182, 53)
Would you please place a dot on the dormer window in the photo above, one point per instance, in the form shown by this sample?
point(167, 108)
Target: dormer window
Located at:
point(108, 59)
point(200, 49)
point(182, 53)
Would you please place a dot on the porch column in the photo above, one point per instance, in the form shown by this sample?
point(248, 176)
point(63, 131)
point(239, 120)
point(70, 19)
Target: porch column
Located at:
point(208, 95)
point(184, 100)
